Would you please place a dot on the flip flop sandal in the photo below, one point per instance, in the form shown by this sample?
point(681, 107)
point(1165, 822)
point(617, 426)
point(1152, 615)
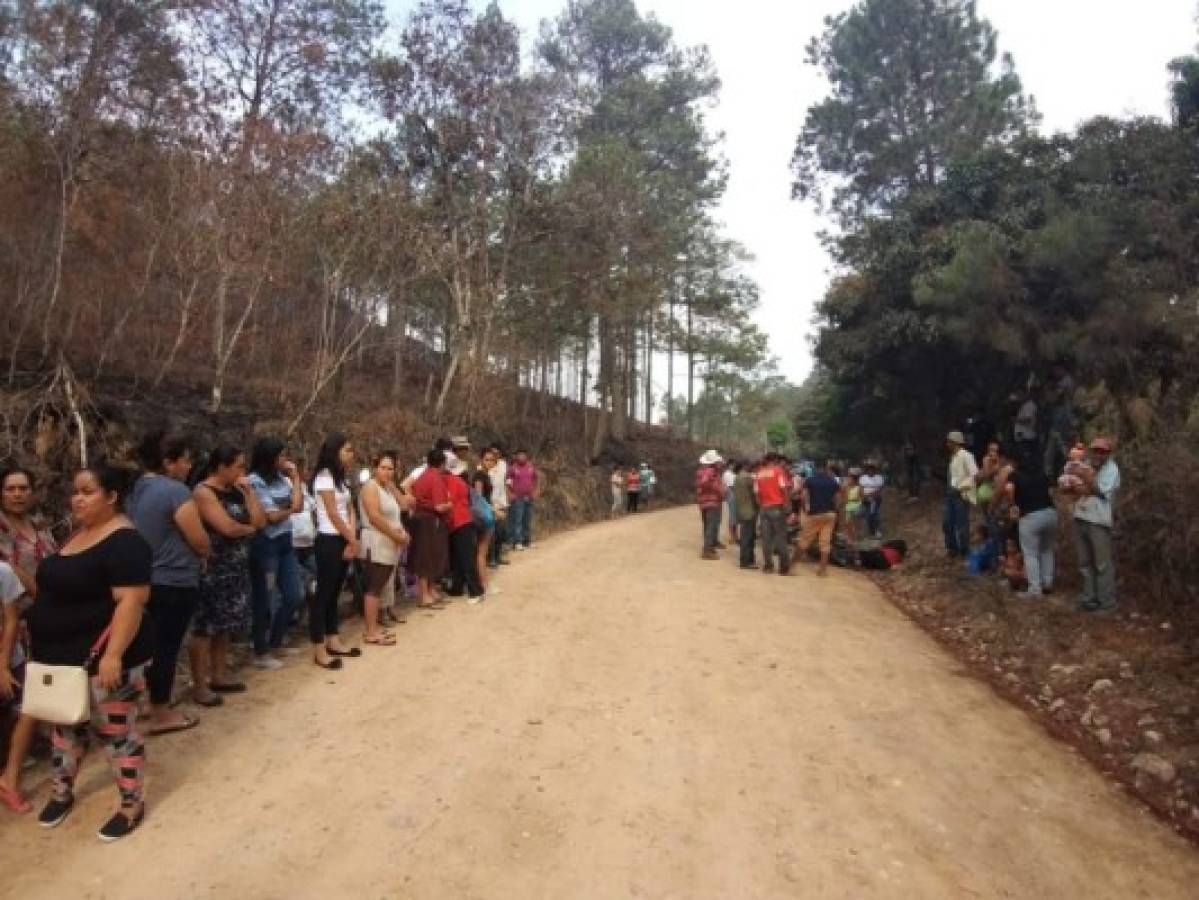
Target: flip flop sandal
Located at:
point(383, 640)
point(15, 801)
point(332, 664)
point(234, 687)
point(352, 652)
point(214, 700)
point(188, 722)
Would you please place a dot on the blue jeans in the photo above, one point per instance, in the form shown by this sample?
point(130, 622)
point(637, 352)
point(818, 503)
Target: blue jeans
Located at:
point(520, 514)
point(495, 551)
point(956, 524)
point(873, 507)
point(274, 573)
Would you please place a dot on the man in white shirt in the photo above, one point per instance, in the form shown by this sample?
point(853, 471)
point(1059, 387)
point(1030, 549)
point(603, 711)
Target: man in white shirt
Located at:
point(872, 498)
point(1093, 519)
point(960, 496)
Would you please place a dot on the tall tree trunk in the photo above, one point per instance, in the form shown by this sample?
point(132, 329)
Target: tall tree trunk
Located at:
point(649, 368)
point(690, 372)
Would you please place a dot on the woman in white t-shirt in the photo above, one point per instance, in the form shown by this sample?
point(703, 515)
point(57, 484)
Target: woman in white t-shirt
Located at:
point(336, 545)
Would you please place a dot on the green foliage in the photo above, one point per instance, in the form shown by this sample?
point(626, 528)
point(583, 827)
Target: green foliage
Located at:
point(912, 91)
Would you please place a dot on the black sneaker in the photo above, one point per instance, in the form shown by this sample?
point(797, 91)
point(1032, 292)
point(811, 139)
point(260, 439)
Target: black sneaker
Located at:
point(119, 826)
point(54, 812)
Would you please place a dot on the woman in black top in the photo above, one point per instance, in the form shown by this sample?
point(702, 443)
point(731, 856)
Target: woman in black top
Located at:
point(1030, 491)
point(90, 597)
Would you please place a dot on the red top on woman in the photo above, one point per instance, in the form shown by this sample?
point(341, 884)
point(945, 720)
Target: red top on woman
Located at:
point(459, 493)
point(429, 491)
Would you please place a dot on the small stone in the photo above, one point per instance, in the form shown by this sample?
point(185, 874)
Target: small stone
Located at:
point(1012, 678)
point(1088, 716)
point(1059, 703)
point(1153, 737)
point(1104, 736)
point(533, 721)
point(1103, 684)
point(1146, 720)
point(1166, 626)
point(1154, 765)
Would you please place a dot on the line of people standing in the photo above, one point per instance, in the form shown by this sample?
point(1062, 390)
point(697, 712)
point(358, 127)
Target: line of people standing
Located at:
point(1019, 504)
point(223, 552)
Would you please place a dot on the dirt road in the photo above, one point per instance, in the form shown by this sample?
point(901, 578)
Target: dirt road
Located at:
point(624, 721)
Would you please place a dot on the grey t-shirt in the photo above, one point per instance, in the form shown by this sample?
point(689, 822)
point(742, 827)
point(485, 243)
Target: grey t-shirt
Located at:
point(152, 507)
point(11, 592)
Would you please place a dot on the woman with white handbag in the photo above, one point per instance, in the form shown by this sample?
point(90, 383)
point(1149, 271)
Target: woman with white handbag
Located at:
point(88, 612)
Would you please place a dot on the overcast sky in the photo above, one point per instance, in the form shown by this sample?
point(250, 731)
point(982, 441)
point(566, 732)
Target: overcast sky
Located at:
point(1079, 58)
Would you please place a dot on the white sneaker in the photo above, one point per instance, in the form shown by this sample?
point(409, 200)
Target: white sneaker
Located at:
point(267, 662)
point(520, 548)
point(475, 601)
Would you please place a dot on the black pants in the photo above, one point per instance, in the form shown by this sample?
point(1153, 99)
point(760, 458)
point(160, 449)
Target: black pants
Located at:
point(170, 611)
point(747, 535)
point(632, 499)
point(330, 576)
point(464, 562)
point(499, 537)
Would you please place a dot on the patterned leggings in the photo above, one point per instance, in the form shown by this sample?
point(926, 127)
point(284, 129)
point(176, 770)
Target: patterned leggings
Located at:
point(114, 722)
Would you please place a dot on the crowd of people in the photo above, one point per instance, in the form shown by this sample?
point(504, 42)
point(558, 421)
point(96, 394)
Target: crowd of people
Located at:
point(1021, 507)
point(241, 547)
point(1019, 485)
point(632, 488)
point(786, 505)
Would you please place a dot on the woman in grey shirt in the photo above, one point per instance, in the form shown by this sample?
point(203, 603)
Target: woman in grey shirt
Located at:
point(162, 509)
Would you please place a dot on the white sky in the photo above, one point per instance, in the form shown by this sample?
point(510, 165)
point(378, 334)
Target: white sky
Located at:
point(1079, 58)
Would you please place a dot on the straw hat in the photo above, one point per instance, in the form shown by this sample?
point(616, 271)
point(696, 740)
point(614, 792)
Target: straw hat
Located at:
point(710, 458)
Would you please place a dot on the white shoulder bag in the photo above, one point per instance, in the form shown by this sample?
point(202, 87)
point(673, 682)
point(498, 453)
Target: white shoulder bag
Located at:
point(61, 695)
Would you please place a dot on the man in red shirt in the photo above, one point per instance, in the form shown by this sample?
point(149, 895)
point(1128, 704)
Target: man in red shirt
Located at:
point(772, 485)
point(709, 494)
